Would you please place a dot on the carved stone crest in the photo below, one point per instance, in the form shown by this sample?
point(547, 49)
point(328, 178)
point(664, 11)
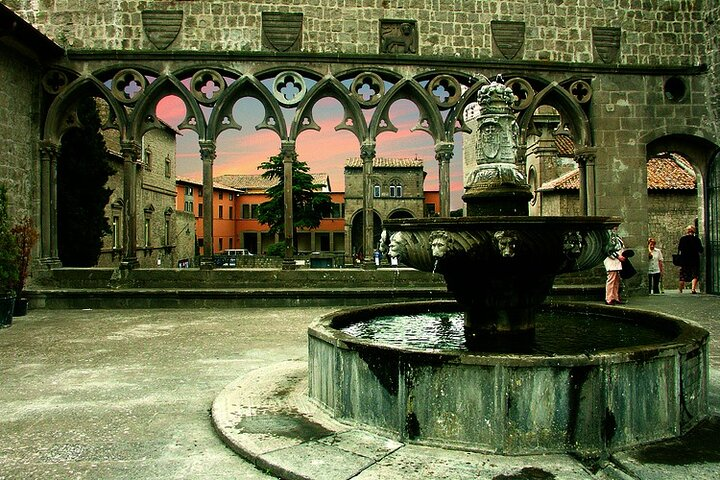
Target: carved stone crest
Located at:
point(398, 36)
point(282, 32)
point(606, 41)
point(508, 37)
point(162, 26)
point(490, 132)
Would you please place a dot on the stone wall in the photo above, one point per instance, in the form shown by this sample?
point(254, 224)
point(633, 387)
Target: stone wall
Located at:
point(156, 201)
point(669, 213)
point(670, 32)
point(712, 20)
point(19, 133)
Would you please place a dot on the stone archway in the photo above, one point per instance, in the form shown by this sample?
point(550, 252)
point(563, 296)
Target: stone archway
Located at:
point(357, 234)
point(702, 154)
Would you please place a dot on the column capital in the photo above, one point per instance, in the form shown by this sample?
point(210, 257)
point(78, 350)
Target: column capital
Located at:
point(444, 151)
point(367, 151)
point(48, 149)
point(287, 150)
point(585, 155)
point(207, 150)
point(130, 151)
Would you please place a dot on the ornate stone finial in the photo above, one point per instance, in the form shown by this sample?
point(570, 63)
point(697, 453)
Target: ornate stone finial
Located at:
point(496, 98)
point(497, 186)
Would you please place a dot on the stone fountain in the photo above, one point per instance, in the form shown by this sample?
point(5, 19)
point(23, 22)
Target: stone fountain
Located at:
point(508, 387)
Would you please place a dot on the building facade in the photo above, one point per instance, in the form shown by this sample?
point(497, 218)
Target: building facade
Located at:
point(397, 190)
point(630, 79)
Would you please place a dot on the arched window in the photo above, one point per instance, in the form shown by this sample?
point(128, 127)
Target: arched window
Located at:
point(396, 189)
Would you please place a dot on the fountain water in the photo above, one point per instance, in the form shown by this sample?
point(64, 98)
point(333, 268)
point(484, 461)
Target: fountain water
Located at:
point(500, 392)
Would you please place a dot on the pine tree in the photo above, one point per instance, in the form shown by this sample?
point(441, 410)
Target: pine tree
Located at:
point(309, 204)
point(83, 172)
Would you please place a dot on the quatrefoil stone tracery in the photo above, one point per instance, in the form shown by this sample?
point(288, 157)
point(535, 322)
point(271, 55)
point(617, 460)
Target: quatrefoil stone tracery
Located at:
point(127, 85)
point(524, 92)
point(207, 85)
point(368, 89)
point(445, 90)
point(289, 88)
point(581, 90)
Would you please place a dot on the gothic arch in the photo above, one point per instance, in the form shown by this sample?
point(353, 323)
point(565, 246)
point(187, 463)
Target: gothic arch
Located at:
point(221, 118)
point(62, 113)
point(143, 116)
point(353, 119)
point(455, 121)
point(571, 112)
point(430, 120)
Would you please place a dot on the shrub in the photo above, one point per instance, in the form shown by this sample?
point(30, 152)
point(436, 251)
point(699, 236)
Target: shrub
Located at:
point(8, 249)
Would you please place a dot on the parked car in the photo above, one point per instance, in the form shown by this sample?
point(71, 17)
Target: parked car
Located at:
point(236, 252)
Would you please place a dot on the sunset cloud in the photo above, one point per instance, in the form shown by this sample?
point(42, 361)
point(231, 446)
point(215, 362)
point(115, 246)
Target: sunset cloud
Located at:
point(325, 151)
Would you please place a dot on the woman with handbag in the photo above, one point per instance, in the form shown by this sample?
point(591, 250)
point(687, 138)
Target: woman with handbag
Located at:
point(613, 266)
point(689, 248)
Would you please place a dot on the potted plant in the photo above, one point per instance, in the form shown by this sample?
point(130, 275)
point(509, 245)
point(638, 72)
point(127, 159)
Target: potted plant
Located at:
point(8, 263)
point(25, 237)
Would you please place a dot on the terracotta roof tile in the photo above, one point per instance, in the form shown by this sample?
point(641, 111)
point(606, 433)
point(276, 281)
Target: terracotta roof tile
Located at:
point(665, 172)
point(564, 145)
point(257, 182)
point(199, 183)
point(567, 181)
point(671, 172)
point(383, 162)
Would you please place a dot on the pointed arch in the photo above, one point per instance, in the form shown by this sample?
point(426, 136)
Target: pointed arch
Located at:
point(222, 119)
point(430, 121)
point(62, 114)
point(559, 98)
point(143, 116)
point(353, 119)
point(455, 115)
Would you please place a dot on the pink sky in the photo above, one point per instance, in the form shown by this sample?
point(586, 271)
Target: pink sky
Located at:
point(324, 151)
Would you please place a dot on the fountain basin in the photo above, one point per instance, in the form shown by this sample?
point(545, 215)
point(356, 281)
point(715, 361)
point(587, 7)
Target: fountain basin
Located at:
point(513, 403)
point(500, 269)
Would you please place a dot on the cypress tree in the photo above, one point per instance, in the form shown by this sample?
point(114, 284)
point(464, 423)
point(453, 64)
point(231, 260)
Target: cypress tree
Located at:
point(83, 171)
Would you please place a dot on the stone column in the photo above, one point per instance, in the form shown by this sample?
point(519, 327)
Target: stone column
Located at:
point(585, 158)
point(48, 204)
point(367, 154)
point(207, 154)
point(131, 159)
point(443, 154)
point(289, 155)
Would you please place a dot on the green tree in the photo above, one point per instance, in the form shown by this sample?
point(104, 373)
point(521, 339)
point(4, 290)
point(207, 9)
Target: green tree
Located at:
point(83, 171)
point(8, 248)
point(309, 204)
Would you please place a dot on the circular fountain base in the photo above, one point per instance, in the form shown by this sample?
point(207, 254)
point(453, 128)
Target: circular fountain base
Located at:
point(513, 403)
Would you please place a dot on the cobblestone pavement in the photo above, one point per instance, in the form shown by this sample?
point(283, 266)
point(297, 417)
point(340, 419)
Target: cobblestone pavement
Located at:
point(125, 394)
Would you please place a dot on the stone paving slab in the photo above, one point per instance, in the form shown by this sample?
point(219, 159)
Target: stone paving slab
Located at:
point(125, 394)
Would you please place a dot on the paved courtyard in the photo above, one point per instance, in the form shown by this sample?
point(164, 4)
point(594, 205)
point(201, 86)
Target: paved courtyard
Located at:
point(125, 394)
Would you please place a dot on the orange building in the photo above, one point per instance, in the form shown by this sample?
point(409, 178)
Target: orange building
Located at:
point(236, 199)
